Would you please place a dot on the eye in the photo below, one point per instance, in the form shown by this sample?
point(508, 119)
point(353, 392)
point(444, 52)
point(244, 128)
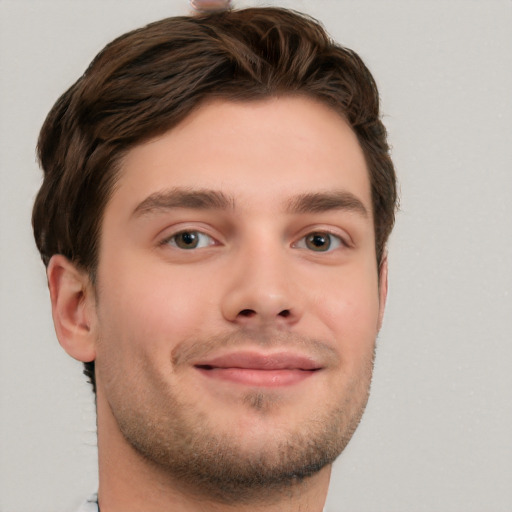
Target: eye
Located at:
point(320, 241)
point(189, 240)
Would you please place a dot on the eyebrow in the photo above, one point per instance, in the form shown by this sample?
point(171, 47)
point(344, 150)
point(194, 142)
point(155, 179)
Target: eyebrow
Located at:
point(198, 199)
point(206, 199)
point(318, 202)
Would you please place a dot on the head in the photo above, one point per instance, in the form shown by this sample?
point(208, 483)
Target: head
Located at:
point(157, 88)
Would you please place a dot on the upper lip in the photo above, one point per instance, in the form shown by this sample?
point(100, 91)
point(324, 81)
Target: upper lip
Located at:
point(258, 361)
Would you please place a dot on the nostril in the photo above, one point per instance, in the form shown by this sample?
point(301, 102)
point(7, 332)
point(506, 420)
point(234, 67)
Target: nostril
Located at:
point(251, 313)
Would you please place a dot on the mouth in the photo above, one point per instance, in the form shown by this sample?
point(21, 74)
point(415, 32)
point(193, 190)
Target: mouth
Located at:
point(259, 370)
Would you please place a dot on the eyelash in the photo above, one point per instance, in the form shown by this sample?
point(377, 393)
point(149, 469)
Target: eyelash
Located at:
point(338, 241)
point(172, 239)
point(303, 243)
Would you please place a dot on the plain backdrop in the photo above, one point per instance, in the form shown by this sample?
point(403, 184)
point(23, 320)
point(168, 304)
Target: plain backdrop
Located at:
point(437, 433)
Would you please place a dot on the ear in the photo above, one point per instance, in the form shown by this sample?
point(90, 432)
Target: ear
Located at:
point(383, 287)
point(73, 308)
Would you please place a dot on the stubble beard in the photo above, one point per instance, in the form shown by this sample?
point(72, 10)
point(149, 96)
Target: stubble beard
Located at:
point(185, 444)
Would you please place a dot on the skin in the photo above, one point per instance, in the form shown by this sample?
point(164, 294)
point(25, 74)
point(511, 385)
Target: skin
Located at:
point(280, 170)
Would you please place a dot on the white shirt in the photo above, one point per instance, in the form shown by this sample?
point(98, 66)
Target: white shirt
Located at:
point(91, 505)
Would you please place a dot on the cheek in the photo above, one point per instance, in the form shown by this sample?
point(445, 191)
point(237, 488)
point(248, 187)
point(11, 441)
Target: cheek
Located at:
point(350, 310)
point(151, 309)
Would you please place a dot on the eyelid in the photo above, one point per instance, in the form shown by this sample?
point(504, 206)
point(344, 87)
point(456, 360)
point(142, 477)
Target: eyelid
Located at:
point(343, 239)
point(172, 232)
point(201, 244)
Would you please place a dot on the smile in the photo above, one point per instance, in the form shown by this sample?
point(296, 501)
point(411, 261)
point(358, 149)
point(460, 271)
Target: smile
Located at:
point(252, 369)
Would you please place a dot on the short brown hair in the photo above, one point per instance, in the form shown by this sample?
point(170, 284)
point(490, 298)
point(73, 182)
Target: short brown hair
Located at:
point(148, 80)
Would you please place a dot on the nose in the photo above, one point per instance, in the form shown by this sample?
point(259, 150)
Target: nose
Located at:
point(261, 290)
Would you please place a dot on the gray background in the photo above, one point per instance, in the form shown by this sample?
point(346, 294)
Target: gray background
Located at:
point(437, 434)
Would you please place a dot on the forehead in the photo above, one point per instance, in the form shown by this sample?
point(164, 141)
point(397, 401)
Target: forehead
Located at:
point(261, 152)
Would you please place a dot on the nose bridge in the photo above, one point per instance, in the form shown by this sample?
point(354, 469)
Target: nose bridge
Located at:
point(261, 287)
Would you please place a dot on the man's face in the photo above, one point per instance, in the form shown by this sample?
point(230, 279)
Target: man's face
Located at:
point(238, 296)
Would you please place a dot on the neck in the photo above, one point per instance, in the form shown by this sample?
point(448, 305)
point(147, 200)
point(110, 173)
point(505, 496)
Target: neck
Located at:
point(130, 483)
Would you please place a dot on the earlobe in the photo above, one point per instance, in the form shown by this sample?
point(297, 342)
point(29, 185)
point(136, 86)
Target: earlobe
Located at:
point(73, 308)
point(383, 288)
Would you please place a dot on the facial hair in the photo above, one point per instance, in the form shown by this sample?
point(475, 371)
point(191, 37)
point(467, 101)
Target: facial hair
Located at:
point(184, 441)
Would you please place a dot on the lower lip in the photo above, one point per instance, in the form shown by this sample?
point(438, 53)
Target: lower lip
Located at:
point(259, 378)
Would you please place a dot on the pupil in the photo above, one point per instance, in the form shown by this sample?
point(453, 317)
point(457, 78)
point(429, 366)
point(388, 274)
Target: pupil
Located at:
point(188, 239)
point(318, 241)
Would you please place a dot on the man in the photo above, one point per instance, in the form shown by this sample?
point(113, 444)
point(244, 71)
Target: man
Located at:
point(217, 198)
